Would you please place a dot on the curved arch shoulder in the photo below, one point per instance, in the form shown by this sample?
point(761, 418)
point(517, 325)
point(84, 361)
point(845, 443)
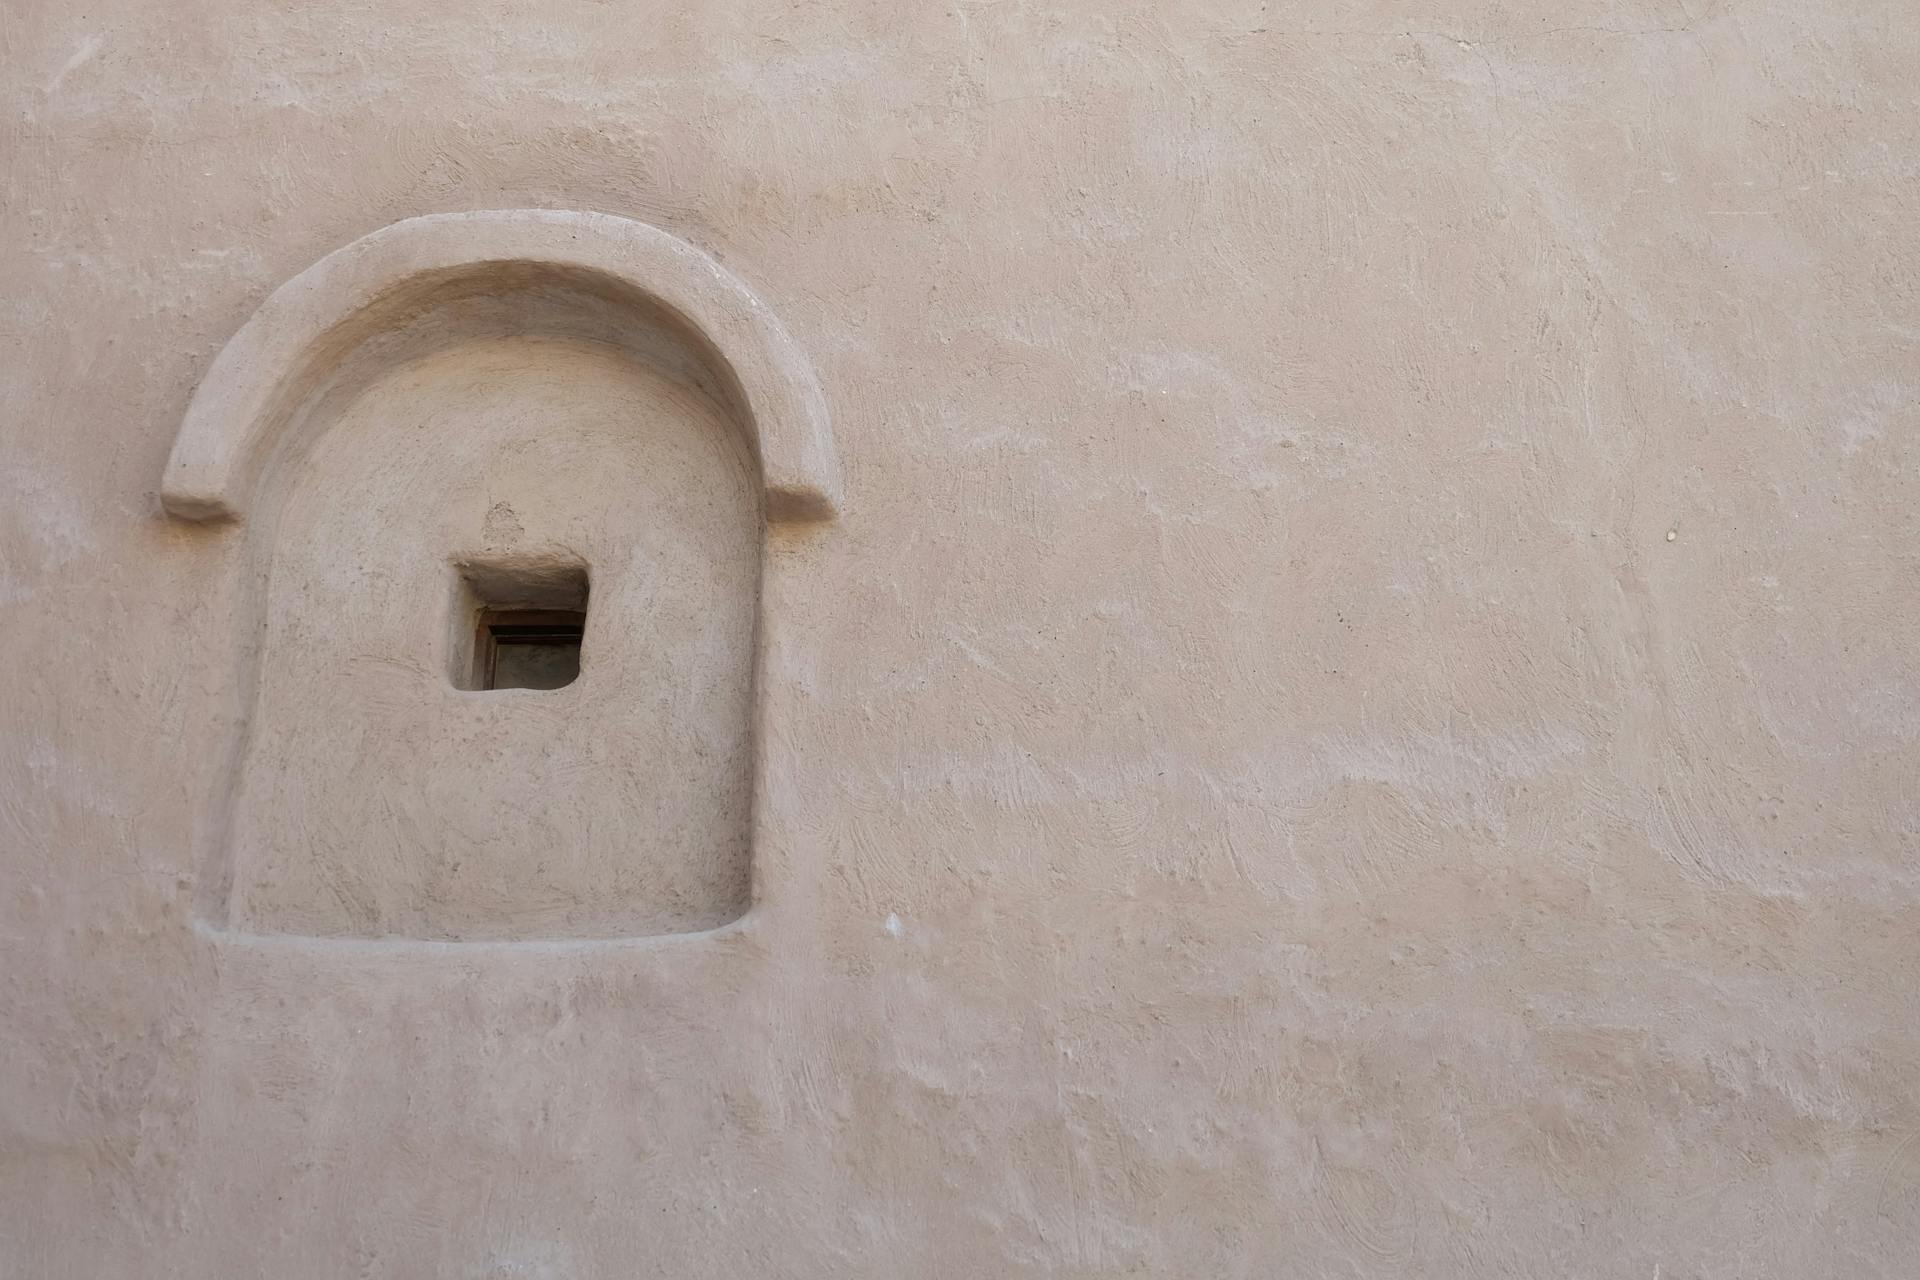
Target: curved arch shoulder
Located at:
point(285, 353)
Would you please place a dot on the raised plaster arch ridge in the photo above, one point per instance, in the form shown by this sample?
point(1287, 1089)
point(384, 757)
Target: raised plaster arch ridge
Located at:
point(285, 354)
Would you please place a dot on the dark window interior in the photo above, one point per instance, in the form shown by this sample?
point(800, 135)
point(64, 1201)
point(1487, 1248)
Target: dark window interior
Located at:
point(527, 648)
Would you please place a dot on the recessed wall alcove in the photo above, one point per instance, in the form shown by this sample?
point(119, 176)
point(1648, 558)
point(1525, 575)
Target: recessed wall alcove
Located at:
point(503, 481)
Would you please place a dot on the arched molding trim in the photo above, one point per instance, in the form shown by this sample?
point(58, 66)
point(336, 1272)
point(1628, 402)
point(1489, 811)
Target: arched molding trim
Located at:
point(291, 348)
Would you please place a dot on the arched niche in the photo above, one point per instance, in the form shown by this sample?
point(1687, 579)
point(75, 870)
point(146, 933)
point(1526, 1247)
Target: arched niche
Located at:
point(456, 420)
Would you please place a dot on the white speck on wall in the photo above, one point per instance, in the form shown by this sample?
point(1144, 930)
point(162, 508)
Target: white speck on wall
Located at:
point(893, 926)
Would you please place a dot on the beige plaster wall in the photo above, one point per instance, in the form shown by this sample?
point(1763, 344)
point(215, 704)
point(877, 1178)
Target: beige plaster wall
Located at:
point(1359, 718)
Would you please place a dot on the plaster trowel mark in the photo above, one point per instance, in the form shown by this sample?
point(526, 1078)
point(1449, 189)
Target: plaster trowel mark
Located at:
point(88, 48)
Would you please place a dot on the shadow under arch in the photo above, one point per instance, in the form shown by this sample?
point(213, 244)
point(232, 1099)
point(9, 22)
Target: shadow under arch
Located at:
point(441, 280)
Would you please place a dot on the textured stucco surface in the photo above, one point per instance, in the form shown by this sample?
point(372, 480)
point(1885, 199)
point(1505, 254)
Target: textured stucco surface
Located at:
point(1359, 718)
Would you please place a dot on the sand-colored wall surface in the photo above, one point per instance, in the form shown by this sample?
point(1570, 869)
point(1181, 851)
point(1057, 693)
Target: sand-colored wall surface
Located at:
point(1331, 689)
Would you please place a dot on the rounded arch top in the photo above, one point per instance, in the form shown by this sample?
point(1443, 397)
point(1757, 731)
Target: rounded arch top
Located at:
point(287, 351)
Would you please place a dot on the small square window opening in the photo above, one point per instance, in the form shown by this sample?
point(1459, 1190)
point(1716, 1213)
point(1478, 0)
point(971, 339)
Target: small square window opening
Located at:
point(518, 624)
